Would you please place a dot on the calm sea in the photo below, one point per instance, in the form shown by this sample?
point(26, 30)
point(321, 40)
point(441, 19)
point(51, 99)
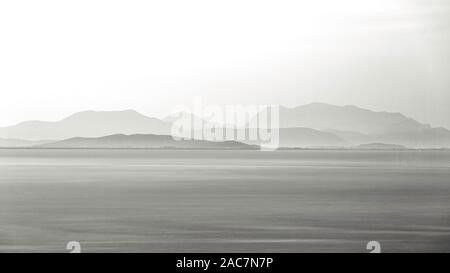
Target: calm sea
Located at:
point(224, 201)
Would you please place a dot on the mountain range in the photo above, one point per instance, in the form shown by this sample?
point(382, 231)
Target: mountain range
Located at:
point(147, 141)
point(311, 125)
point(88, 124)
point(358, 126)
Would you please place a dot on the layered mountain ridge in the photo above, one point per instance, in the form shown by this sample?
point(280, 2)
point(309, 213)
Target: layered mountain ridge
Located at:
point(311, 125)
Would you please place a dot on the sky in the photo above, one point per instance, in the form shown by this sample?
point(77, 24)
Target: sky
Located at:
point(61, 57)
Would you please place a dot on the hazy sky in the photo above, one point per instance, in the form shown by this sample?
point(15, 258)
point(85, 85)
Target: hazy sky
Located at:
point(60, 57)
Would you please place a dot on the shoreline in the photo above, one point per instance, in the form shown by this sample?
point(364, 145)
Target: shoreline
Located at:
point(224, 149)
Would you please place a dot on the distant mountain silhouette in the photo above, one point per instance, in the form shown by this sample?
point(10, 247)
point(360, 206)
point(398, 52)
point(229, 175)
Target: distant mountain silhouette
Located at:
point(380, 146)
point(88, 124)
point(352, 137)
point(8, 142)
point(315, 124)
point(306, 137)
point(193, 118)
point(358, 126)
point(145, 141)
point(419, 138)
point(322, 116)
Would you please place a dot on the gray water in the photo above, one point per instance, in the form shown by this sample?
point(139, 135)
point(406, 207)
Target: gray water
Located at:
point(224, 201)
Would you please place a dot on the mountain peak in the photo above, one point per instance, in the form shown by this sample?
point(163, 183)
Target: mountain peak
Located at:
point(91, 113)
point(89, 123)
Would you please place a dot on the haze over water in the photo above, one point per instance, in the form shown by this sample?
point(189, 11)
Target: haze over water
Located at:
point(224, 201)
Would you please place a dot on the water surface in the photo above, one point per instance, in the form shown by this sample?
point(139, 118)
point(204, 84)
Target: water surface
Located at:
point(224, 201)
